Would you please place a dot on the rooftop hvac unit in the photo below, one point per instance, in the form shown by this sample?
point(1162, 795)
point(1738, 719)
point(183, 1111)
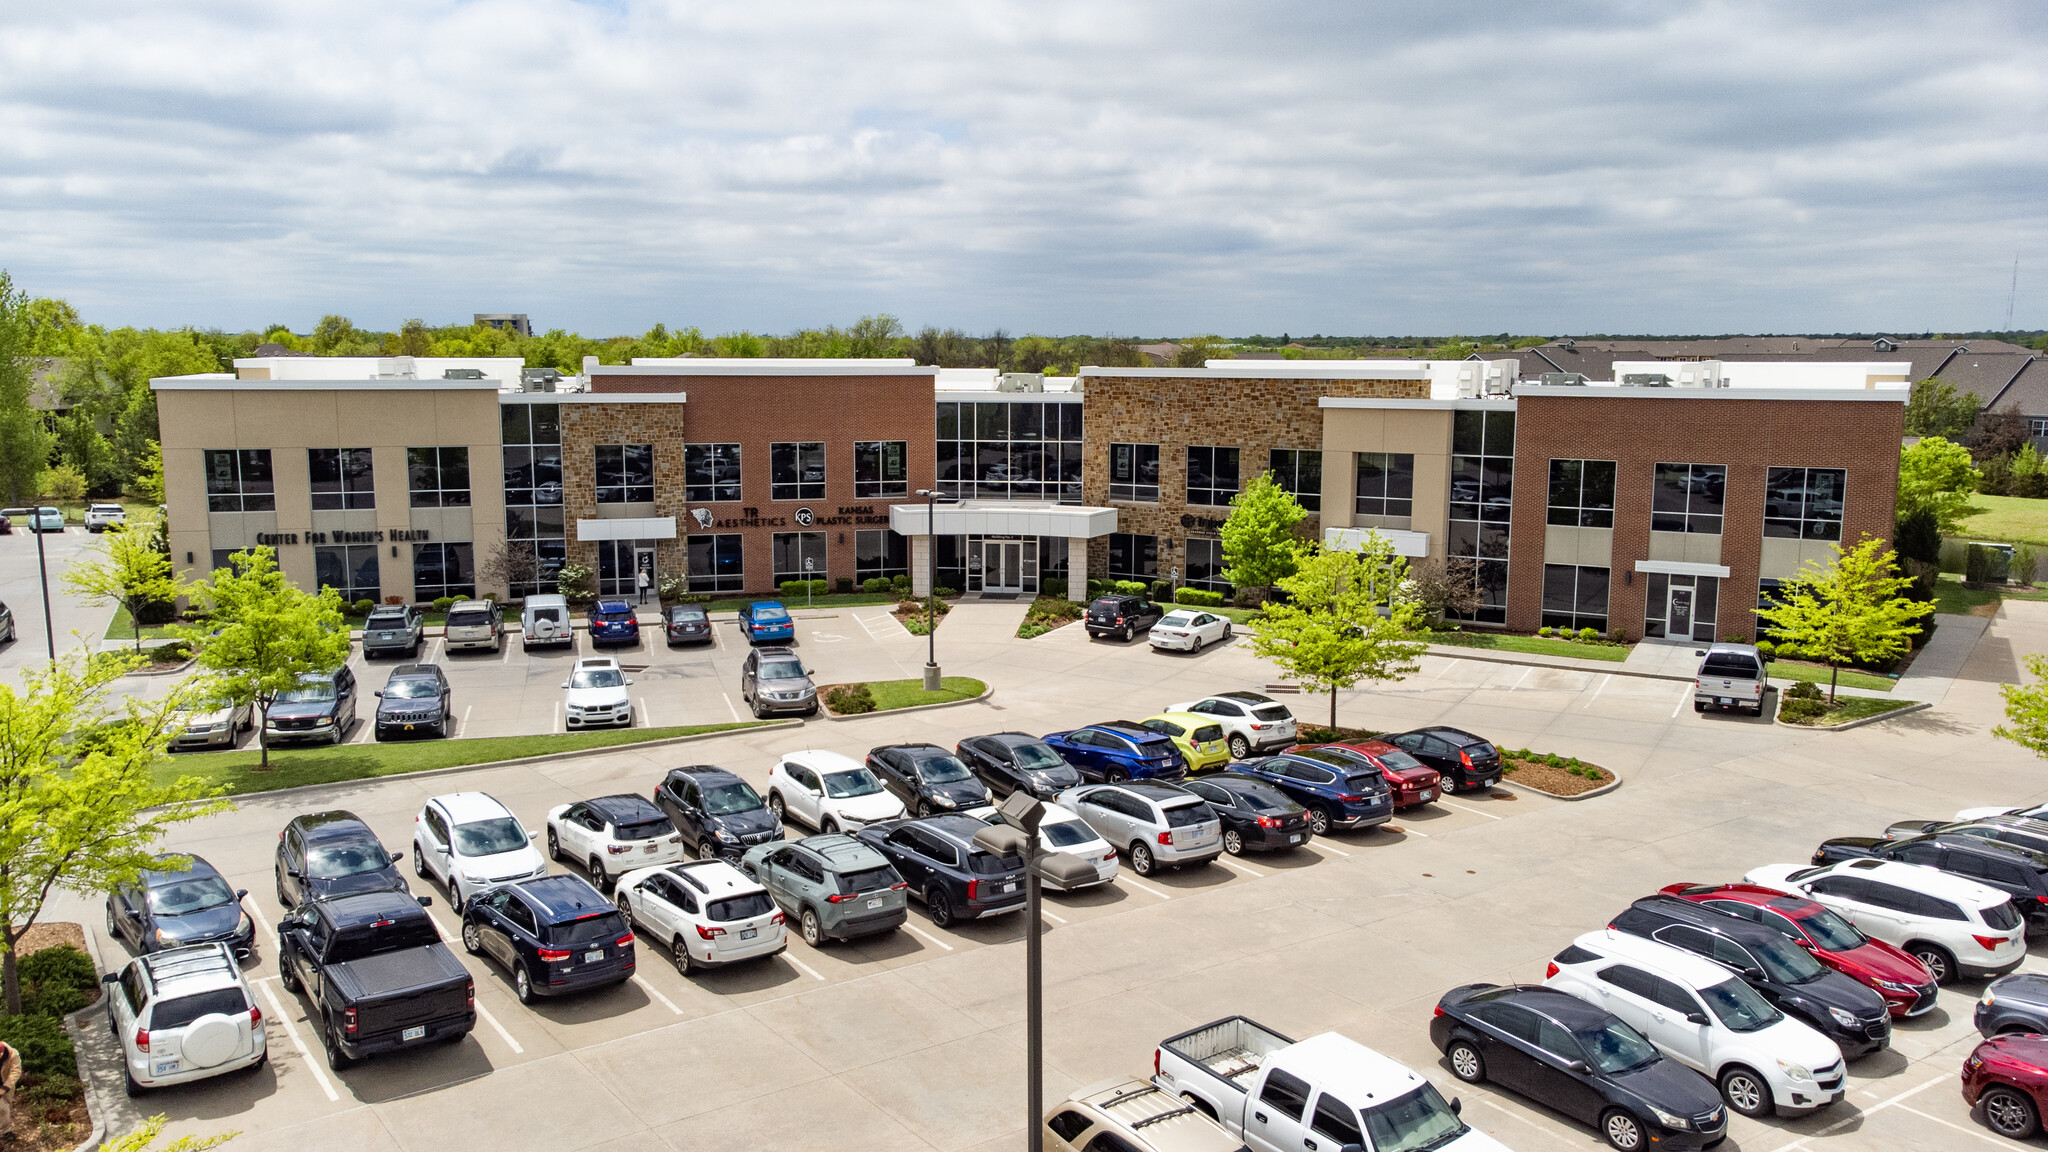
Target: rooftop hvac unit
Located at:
point(539, 379)
point(1703, 374)
point(1500, 376)
point(1469, 380)
point(395, 368)
point(1563, 379)
point(1646, 380)
point(462, 374)
point(1021, 382)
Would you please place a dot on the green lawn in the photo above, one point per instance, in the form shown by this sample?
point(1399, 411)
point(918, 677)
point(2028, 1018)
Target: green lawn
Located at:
point(1952, 598)
point(121, 627)
point(797, 603)
point(1818, 674)
point(2013, 518)
point(1849, 708)
point(1536, 645)
point(909, 693)
point(294, 766)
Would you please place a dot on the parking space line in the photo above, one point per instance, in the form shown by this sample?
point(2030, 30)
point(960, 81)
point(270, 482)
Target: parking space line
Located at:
point(1845, 1121)
point(640, 717)
point(929, 936)
point(1407, 831)
point(1474, 811)
point(1446, 668)
point(1957, 1127)
point(1525, 676)
point(729, 708)
point(499, 1028)
point(1319, 846)
point(808, 970)
point(505, 652)
point(1051, 917)
point(1143, 887)
point(466, 709)
point(1687, 695)
point(555, 725)
point(257, 914)
point(651, 990)
point(292, 1033)
point(1227, 863)
point(1604, 678)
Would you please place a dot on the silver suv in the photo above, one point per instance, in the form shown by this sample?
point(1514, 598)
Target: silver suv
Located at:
point(475, 624)
point(774, 679)
point(1153, 823)
point(393, 628)
point(184, 1014)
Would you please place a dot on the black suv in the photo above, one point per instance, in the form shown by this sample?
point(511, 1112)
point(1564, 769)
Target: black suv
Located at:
point(1464, 760)
point(938, 858)
point(926, 777)
point(1007, 761)
point(326, 854)
point(1122, 616)
point(554, 935)
point(2006, 867)
point(717, 813)
point(1846, 1011)
point(322, 707)
point(415, 699)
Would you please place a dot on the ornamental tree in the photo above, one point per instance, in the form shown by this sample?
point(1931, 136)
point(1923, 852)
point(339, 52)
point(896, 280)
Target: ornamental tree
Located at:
point(1849, 609)
point(2026, 709)
point(131, 571)
point(1344, 620)
point(1936, 476)
point(1259, 544)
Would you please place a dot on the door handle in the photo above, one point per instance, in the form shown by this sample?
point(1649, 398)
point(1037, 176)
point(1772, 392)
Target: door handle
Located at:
point(1308, 1144)
point(1259, 1116)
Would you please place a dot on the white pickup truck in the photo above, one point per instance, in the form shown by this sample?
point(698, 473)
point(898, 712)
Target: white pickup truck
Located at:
point(1328, 1093)
point(1730, 676)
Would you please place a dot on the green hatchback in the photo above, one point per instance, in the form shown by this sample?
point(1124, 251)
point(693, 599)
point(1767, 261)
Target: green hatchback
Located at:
point(835, 887)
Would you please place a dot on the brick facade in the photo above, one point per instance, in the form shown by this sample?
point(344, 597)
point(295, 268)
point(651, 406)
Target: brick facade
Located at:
point(584, 428)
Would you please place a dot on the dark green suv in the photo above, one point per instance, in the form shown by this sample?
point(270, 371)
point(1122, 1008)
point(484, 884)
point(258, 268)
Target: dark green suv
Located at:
point(834, 886)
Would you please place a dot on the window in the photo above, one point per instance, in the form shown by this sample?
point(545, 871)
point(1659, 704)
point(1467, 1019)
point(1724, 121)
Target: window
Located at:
point(1300, 472)
point(1385, 485)
point(1582, 493)
point(1134, 473)
point(1106, 1141)
point(1205, 565)
point(881, 468)
point(443, 570)
point(1482, 493)
point(796, 471)
point(536, 540)
point(239, 481)
point(1804, 503)
point(792, 549)
point(1068, 1125)
point(1285, 1092)
point(880, 552)
point(1133, 557)
point(1010, 449)
point(711, 473)
point(341, 478)
point(438, 477)
point(351, 571)
point(2037, 427)
point(1212, 475)
point(625, 473)
point(1574, 597)
point(1688, 498)
point(1337, 1120)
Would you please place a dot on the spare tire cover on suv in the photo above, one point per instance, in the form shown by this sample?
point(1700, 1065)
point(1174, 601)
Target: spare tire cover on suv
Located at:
point(210, 1040)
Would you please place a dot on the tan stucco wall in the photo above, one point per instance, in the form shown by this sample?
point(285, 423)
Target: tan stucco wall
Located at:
point(1423, 433)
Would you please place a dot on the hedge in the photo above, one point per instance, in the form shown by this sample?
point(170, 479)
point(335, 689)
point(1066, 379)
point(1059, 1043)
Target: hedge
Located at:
point(798, 587)
point(1199, 597)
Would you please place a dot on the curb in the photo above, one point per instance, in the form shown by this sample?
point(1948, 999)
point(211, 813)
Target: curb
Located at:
point(1859, 722)
point(75, 1028)
point(1488, 656)
point(1602, 790)
point(171, 671)
point(986, 692)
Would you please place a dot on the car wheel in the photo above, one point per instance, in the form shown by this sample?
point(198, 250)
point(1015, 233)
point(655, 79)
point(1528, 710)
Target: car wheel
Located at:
point(1698, 707)
point(1240, 747)
point(1115, 776)
point(814, 930)
point(1622, 1130)
point(287, 976)
point(924, 809)
point(133, 1088)
point(113, 929)
point(1126, 634)
point(554, 846)
point(1937, 960)
point(472, 940)
point(419, 869)
point(1233, 841)
point(455, 904)
point(1746, 1092)
point(334, 734)
point(1196, 647)
point(1319, 820)
point(827, 826)
point(522, 984)
point(1141, 859)
point(775, 804)
point(2010, 1114)
point(603, 879)
point(336, 1058)
point(1466, 1062)
point(1226, 631)
point(282, 901)
point(940, 909)
point(680, 953)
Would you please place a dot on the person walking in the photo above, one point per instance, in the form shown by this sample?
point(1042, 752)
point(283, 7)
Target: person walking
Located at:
point(10, 1075)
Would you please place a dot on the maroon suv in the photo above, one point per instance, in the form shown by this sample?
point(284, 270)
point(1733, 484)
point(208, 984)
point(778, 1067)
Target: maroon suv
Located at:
point(2008, 1075)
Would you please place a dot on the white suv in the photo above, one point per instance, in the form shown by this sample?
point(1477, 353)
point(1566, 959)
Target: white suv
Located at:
point(100, 517)
point(1952, 924)
point(829, 792)
point(182, 1015)
point(1698, 1014)
point(613, 835)
point(706, 913)
point(470, 843)
point(595, 693)
point(1251, 722)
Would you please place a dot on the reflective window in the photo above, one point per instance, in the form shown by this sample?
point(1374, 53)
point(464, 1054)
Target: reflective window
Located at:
point(711, 473)
point(1582, 493)
point(341, 478)
point(881, 468)
point(1133, 557)
point(791, 552)
point(1385, 485)
point(1688, 498)
point(1205, 565)
point(717, 562)
point(438, 477)
point(1575, 597)
point(351, 571)
point(1804, 503)
point(1482, 497)
point(1300, 472)
point(625, 473)
point(1212, 475)
point(443, 570)
point(239, 481)
point(1134, 473)
point(796, 471)
point(880, 553)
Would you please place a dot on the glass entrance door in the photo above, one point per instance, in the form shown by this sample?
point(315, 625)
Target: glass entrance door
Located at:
point(1002, 566)
point(1680, 616)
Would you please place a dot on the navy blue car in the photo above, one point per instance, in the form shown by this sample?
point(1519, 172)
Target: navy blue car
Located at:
point(613, 622)
point(1337, 790)
point(1119, 750)
point(554, 935)
point(177, 909)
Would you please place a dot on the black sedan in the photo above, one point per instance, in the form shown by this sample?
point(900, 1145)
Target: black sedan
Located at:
point(1257, 817)
point(1569, 1055)
point(2015, 1003)
point(938, 858)
point(324, 854)
point(686, 624)
point(1464, 760)
point(171, 909)
point(1007, 761)
point(927, 778)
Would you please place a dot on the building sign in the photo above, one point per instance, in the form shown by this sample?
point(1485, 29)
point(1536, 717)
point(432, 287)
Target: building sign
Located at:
point(806, 517)
point(1202, 523)
point(378, 536)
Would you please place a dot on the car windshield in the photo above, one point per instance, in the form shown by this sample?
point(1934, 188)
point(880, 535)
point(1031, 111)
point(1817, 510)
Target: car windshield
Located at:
point(727, 799)
point(856, 782)
point(308, 690)
point(403, 936)
point(1035, 757)
point(1616, 1047)
point(1395, 760)
point(598, 678)
point(489, 837)
point(600, 928)
point(942, 770)
point(1413, 1123)
point(1828, 931)
point(202, 706)
point(1739, 1007)
point(1066, 833)
point(194, 895)
point(331, 861)
point(1785, 961)
point(782, 670)
point(1176, 620)
point(412, 688)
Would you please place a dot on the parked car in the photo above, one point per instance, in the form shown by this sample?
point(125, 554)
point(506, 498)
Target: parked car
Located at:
point(829, 792)
point(1132, 1116)
point(938, 859)
point(321, 707)
point(612, 622)
point(1280, 1095)
point(416, 698)
point(100, 517)
point(1188, 630)
point(7, 516)
point(1121, 616)
point(7, 628)
point(1007, 761)
point(1412, 781)
point(393, 628)
point(2018, 831)
point(326, 854)
point(611, 835)
point(180, 907)
point(46, 519)
point(595, 694)
point(1730, 676)
point(469, 843)
point(474, 624)
point(375, 974)
point(2038, 812)
point(926, 777)
point(1256, 816)
point(767, 621)
point(2016, 871)
point(1855, 1017)
point(1251, 722)
point(1906, 985)
point(836, 887)
point(1339, 791)
point(1464, 761)
point(1059, 830)
point(707, 913)
point(716, 813)
point(1119, 750)
point(2015, 1003)
point(774, 679)
point(1955, 927)
point(1154, 823)
point(544, 621)
point(1198, 739)
point(686, 624)
point(2008, 1077)
point(1578, 1059)
point(1702, 1017)
point(184, 1015)
point(554, 936)
point(212, 722)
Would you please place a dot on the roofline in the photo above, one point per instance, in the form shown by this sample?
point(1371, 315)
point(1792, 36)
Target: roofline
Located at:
point(1417, 370)
point(892, 369)
point(2007, 386)
point(1889, 394)
point(222, 382)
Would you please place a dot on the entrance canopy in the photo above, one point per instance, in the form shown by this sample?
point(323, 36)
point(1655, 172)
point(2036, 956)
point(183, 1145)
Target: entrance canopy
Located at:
point(636, 528)
point(1001, 518)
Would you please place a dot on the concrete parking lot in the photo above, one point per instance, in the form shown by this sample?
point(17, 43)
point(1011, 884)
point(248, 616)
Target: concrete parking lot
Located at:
point(915, 1039)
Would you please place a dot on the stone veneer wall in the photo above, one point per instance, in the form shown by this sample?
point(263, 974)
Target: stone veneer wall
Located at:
point(587, 425)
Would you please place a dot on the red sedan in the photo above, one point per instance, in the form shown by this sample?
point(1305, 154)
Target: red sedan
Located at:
point(2009, 1076)
point(1905, 983)
point(1413, 781)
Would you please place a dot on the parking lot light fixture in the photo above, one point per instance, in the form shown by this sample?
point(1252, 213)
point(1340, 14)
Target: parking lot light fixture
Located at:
point(932, 498)
point(43, 565)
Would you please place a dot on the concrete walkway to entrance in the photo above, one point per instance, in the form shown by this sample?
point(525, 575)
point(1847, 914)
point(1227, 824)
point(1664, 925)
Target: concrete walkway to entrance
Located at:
point(976, 621)
point(1935, 669)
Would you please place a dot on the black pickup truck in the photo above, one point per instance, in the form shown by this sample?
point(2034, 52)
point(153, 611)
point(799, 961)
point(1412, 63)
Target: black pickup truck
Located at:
point(376, 976)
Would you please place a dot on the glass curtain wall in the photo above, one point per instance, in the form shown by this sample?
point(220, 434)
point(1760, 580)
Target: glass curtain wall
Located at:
point(1010, 449)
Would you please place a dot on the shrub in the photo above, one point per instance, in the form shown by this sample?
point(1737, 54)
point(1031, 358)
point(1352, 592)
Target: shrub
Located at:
point(1617, 635)
point(45, 1049)
point(877, 584)
point(364, 606)
point(1129, 587)
point(1589, 634)
point(1199, 597)
point(797, 588)
point(576, 582)
point(901, 584)
point(850, 699)
point(1546, 630)
point(173, 652)
point(1055, 587)
point(945, 593)
point(2023, 563)
point(1161, 590)
point(1803, 690)
point(1768, 650)
point(441, 603)
point(57, 980)
point(673, 588)
point(844, 583)
point(1735, 638)
point(1796, 710)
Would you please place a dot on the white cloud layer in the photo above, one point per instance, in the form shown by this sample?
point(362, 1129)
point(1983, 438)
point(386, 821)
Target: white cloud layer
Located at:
point(1138, 168)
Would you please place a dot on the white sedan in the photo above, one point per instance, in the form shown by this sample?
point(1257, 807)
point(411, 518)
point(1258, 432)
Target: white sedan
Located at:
point(706, 913)
point(595, 693)
point(1062, 831)
point(1188, 629)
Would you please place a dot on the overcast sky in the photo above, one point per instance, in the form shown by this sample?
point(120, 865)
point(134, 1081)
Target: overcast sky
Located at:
point(1148, 169)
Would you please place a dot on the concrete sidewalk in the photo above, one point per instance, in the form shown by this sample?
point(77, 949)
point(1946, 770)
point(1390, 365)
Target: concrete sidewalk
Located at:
point(1935, 669)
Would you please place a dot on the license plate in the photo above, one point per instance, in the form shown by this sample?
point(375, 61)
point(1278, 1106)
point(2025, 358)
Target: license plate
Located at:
point(1429, 794)
point(416, 1032)
point(593, 957)
point(749, 933)
point(165, 1068)
point(651, 848)
point(1726, 700)
point(1009, 887)
point(1294, 839)
point(874, 903)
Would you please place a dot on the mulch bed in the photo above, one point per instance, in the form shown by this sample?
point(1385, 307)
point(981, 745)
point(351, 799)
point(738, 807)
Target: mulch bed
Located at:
point(1544, 777)
point(60, 1126)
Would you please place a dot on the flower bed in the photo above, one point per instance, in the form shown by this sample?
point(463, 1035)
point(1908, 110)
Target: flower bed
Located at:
point(57, 978)
point(1549, 772)
point(1046, 614)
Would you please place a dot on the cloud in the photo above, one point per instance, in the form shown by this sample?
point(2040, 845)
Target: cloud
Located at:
point(1138, 168)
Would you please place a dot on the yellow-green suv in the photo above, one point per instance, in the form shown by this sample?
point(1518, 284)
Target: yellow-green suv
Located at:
point(1199, 739)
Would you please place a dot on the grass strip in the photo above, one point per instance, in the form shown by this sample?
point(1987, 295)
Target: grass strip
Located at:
point(1818, 674)
point(910, 693)
point(1849, 708)
point(1533, 645)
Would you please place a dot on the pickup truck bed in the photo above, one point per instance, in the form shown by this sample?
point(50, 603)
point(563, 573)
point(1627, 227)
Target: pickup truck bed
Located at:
point(397, 989)
point(1232, 1050)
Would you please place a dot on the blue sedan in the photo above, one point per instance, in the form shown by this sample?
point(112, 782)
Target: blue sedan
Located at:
point(767, 621)
point(1119, 750)
point(613, 622)
point(1338, 791)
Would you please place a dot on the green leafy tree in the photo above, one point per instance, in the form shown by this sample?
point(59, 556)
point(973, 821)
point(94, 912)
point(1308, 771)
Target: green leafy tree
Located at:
point(2026, 709)
point(1935, 475)
point(63, 482)
point(24, 441)
point(130, 571)
point(148, 481)
point(1851, 609)
point(1330, 633)
point(80, 807)
point(270, 632)
point(1936, 408)
point(1259, 543)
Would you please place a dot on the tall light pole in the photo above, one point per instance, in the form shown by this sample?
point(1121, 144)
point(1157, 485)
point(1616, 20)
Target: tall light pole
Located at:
point(932, 680)
point(35, 519)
